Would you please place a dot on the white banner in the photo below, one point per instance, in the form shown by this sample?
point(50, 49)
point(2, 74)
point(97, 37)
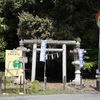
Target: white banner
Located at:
point(43, 50)
point(80, 52)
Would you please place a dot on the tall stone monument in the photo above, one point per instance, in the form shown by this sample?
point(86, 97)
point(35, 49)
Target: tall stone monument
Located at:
point(77, 80)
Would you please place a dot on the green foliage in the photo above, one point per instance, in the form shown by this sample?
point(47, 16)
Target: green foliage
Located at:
point(90, 61)
point(2, 43)
point(2, 74)
point(60, 32)
point(3, 26)
point(89, 65)
point(34, 87)
point(2, 48)
point(11, 90)
point(31, 27)
point(90, 41)
point(9, 13)
point(8, 81)
point(71, 19)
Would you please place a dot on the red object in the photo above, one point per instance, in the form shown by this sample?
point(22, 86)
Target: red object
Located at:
point(97, 14)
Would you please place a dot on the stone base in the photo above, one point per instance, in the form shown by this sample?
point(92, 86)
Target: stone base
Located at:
point(77, 82)
point(17, 81)
point(5, 93)
point(98, 84)
point(21, 93)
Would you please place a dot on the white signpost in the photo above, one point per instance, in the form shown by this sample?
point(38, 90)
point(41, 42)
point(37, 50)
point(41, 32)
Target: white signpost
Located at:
point(43, 59)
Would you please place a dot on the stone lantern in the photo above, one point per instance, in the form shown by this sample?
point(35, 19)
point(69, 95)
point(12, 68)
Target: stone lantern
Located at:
point(22, 48)
point(24, 51)
point(77, 80)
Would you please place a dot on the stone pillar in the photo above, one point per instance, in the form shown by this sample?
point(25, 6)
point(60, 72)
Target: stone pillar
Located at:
point(77, 79)
point(33, 73)
point(76, 64)
point(64, 63)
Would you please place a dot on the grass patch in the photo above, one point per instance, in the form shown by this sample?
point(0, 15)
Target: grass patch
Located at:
point(15, 92)
point(36, 88)
point(11, 90)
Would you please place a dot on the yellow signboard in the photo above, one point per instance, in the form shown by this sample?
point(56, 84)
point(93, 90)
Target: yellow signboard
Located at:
point(13, 66)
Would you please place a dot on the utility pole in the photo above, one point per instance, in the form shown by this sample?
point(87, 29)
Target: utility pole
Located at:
point(98, 23)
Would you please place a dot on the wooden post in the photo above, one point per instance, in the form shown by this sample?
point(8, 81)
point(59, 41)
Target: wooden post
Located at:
point(5, 85)
point(24, 77)
point(20, 83)
point(45, 78)
point(0, 85)
point(33, 63)
point(64, 62)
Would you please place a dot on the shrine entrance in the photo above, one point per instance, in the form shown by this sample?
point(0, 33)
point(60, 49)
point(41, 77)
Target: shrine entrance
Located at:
point(49, 42)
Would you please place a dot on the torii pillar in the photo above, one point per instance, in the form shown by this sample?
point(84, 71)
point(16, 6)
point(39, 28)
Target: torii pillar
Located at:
point(33, 74)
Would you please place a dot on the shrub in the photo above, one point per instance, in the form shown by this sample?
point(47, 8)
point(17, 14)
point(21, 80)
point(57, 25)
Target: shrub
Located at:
point(33, 88)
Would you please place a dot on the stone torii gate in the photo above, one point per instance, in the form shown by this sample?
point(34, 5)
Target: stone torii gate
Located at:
point(56, 42)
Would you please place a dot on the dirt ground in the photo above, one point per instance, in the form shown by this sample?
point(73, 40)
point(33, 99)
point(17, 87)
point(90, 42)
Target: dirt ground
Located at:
point(89, 87)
